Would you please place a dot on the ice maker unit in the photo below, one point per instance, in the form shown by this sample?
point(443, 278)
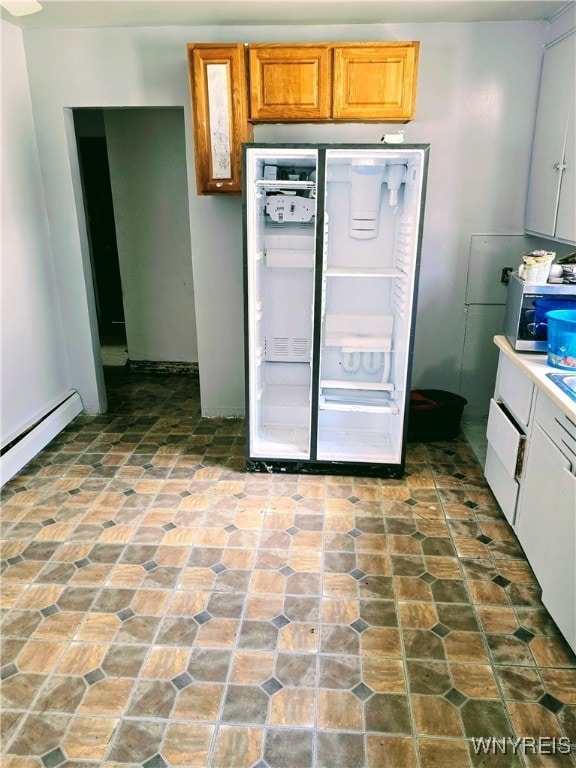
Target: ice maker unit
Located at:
point(332, 238)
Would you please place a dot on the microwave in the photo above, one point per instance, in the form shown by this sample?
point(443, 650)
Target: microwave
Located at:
point(525, 322)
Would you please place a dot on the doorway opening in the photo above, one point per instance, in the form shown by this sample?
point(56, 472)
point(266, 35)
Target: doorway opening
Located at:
point(101, 231)
point(135, 196)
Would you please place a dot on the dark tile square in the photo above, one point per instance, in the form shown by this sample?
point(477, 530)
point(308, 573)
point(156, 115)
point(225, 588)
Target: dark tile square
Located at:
point(339, 750)
point(388, 713)
point(288, 748)
point(245, 704)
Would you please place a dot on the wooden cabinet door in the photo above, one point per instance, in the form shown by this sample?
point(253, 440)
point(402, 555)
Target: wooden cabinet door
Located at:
point(375, 81)
point(218, 85)
point(290, 82)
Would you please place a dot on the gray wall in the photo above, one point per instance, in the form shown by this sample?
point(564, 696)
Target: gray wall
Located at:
point(34, 368)
point(147, 157)
point(477, 95)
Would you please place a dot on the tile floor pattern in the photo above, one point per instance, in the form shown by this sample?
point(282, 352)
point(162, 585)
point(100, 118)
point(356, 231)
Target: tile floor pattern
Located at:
point(161, 607)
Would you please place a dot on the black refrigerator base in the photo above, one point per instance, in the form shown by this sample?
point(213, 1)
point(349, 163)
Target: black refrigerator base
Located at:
point(344, 468)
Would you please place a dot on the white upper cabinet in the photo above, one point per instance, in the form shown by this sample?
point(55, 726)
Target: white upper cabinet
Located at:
point(551, 198)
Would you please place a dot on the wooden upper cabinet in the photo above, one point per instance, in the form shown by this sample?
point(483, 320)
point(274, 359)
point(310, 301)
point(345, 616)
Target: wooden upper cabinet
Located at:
point(290, 82)
point(375, 81)
point(333, 81)
point(219, 92)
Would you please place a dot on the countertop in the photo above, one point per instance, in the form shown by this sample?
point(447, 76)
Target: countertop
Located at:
point(535, 366)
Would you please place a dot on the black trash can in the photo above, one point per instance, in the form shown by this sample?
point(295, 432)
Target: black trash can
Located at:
point(434, 415)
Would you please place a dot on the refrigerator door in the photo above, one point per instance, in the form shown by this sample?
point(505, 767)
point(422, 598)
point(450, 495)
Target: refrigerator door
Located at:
point(371, 233)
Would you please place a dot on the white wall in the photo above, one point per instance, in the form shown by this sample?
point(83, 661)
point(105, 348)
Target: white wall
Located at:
point(476, 105)
point(34, 367)
point(147, 158)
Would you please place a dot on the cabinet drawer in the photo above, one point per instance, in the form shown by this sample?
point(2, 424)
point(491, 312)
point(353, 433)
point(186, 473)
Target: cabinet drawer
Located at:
point(557, 425)
point(504, 486)
point(515, 389)
point(506, 439)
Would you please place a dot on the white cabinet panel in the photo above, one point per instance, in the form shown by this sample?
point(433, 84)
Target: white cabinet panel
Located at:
point(504, 436)
point(559, 582)
point(566, 221)
point(547, 212)
point(504, 486)
point(515, 389)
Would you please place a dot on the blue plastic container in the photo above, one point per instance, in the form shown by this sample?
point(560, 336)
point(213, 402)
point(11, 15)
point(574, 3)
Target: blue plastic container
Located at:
point(562, 339)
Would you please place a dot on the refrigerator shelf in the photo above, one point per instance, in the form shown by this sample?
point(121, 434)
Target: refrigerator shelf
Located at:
point(378, 386)
point(276, 184)
point(364, 272)
point(336, 403)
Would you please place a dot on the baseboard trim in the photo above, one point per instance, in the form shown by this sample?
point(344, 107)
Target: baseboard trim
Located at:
point(23, 449)
point(160, 367)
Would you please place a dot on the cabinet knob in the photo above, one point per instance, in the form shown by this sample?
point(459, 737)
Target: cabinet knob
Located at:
point(559, 166)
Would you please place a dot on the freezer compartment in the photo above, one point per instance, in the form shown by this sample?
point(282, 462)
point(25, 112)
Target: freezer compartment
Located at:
point(360, 436)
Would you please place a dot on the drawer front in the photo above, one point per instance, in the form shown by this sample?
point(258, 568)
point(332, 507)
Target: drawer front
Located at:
point(504, 486)
point(557, 425)
point(515, 389)
point(506, 440)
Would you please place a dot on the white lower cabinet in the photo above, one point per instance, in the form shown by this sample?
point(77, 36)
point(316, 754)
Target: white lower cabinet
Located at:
point(531, 470)
point(546, 520)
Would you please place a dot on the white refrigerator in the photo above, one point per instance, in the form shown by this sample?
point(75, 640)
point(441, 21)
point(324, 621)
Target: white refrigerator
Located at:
point(332, 238)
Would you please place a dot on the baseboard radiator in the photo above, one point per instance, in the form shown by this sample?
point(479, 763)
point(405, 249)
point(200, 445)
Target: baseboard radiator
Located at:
point(23, 448)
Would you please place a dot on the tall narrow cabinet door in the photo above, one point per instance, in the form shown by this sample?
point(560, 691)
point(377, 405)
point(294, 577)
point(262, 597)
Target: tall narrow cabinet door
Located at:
point(218, 85)
point(566, 220)
point(548, 177)
point(375, 82)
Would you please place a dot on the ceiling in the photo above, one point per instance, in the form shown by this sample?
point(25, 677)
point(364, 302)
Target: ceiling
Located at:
point(138, 13)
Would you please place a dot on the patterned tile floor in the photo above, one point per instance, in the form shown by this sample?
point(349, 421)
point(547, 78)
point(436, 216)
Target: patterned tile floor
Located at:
point(161, 607)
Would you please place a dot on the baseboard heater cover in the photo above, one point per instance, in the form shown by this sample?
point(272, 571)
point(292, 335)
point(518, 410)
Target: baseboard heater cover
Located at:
point(23, 449)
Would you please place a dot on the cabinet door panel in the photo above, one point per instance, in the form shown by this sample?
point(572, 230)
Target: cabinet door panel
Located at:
point(219, 108)
point(290, 82)
point(556, 92)
point(375, 82)
point(541, 502)
point(559, 584)
point(566, 221)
